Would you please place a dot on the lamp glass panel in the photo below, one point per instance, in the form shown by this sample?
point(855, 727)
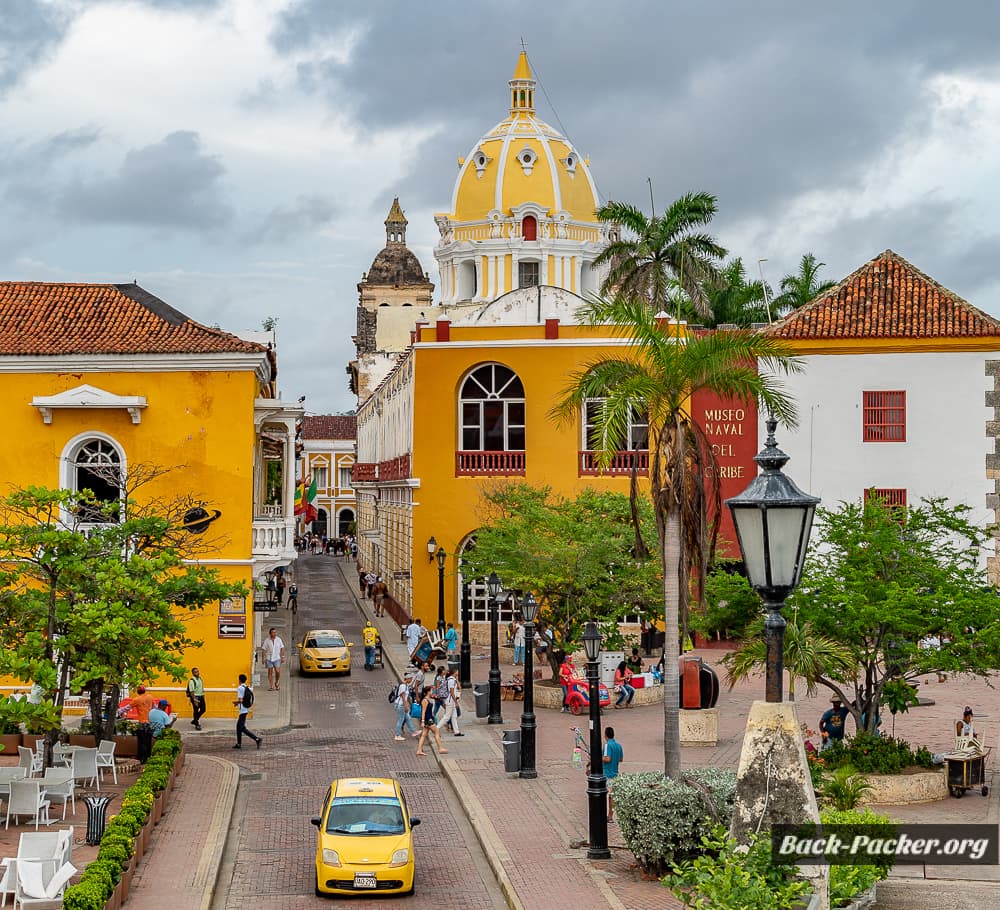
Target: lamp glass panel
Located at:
point(750, 530)
point(784, 527)
point(530, 608)
point(804, 543)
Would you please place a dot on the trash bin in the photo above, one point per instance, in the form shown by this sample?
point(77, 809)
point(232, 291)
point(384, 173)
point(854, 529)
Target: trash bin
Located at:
point(511, 751)
point(97, 807)
point(143, 741)
point(482, 694)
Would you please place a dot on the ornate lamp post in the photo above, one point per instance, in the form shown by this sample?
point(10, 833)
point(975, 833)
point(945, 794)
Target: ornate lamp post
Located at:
point(773, 518)
point(529, 607)
point(493, 587)
point(441, 558)
point(597, 783)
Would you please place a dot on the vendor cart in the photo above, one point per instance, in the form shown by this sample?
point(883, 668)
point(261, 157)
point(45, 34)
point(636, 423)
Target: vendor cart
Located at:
point(967, 771)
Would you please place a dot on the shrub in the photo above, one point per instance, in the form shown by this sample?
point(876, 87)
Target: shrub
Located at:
point(87, 895)
point(662, 820)
point(871, 754)
point(116, 852)
point(861, 817)
point(100, 872)
point(845, 789)
point(121, 838)
point(729, 877)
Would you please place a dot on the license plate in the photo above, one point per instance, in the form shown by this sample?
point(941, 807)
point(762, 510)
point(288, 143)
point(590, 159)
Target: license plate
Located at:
point(326, 665)
point(364, 880)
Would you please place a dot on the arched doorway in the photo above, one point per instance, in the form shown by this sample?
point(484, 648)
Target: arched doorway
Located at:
point(320, 522)
point(345, 522)
point(529, 228)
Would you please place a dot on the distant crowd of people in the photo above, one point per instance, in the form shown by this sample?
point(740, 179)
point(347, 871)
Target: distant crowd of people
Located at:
point(318, 544)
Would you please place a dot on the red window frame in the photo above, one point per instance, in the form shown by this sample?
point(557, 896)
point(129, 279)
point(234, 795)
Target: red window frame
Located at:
point(891, 497)
point(883, 416)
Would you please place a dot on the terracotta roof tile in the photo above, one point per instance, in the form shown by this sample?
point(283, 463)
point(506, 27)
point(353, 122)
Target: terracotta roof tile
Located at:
point(46, 319)
point(887, 298)
point(330, 426)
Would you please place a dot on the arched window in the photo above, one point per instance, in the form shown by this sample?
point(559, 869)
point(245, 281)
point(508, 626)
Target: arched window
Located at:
point(345, 522)
point(96, 465)
point(529, 227)
point(636, 442)
point(492, 410)
point(319, 522)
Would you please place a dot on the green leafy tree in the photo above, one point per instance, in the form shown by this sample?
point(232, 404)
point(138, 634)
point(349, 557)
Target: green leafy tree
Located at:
point(799, 288)
point(657, 375)
point(735, 300)
point(729, 604)
point(576, 556)
point(94, 607)
point(661, 252)
point(881, 581)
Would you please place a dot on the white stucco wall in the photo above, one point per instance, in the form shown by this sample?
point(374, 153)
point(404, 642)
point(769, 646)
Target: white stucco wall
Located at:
point(946, 446)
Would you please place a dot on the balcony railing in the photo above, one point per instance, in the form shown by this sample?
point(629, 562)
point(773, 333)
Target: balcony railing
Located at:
point(363, 473)
point(487, 464)
point(395, 468)
point(621, 463)
point(272, 510)
point(273, 537)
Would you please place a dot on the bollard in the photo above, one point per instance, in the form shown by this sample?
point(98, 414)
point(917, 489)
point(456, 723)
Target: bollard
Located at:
point(97, 807)
point(511, 743)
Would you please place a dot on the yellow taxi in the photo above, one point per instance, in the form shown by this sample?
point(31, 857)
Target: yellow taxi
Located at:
point(325, 651)
point(365, 840)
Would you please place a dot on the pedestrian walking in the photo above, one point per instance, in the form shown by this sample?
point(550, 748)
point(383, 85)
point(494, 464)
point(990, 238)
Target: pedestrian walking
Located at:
point(402, 704)
point(414, 632)
point(450, 717)
point(196, 695)
point(518, 643)
point(440, 690)
point(370, 634)
point(370, 579)
point(378, 595)
point(451, 639)
point(274, 655)
point(281, 583)
point(362, 584)
point(293, 597)
point(613, 755)
point(427, 719)
point(243, 702)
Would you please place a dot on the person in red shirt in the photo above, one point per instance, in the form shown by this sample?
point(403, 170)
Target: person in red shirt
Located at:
point(142, 703)
point(567, 672)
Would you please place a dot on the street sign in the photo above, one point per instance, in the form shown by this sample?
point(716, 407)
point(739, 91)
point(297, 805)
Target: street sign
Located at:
point(233, 605)
point(232, 627)
point(400, 575)
point(262, 606)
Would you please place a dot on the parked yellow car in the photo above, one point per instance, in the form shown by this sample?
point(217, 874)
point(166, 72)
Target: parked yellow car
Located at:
point(325, 651)
point(365, 839)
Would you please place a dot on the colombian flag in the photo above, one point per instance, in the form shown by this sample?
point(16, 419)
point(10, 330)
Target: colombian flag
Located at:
point(303, 500)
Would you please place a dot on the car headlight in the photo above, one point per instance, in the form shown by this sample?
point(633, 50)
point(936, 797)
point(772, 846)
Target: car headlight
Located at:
point(332, 858)
point(400, 858)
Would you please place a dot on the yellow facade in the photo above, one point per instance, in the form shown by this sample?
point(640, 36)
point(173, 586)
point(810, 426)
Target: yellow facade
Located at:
point(194, 423)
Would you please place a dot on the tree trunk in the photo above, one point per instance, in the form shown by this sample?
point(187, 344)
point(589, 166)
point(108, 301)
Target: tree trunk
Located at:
point(671, 553)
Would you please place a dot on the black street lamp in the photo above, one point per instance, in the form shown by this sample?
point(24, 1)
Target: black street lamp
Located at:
point(597, 783)
point(441, 558)
point(773, 518)
point(493, 588)
point(529, 608)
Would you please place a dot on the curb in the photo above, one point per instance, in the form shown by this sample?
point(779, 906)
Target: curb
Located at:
point(210, 861)
point(493, 847)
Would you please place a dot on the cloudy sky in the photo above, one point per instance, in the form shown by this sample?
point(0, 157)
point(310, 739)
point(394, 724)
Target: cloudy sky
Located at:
point(237, 157)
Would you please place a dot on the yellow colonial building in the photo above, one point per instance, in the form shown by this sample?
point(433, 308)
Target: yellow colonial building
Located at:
point(104, 382)
point(327, 457)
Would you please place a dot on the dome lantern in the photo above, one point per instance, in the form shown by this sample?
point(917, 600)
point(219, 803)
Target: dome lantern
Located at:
point(522, 88)
point(395, 224)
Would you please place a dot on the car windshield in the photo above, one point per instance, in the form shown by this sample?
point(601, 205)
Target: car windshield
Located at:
point(365, 815)
point(324, 640)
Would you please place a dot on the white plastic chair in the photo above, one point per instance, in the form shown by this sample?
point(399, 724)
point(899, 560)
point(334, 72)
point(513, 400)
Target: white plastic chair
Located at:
point(106, 756)
point(60, 786)
point(7, 881)
point(40, 883)
point(85, 766)
point(26, 799)
point(28, 759)
point(38, 845)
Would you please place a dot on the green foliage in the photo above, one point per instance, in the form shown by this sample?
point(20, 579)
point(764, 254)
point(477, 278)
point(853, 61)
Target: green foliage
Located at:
point(88, 894)
point(730, 605)
point(576, 555)
point(871, 754)
point(113, 851)
point(861, 818)
point(662, 820)
point(115, 836)
point(878, 581)
point(728, 877)
point(845, 789)
point(116, 596)
point(899, 696)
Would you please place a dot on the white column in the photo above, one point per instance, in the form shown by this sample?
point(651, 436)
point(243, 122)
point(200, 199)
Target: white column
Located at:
point(501, 275)
point(288, 500)
point(479, 278)
point(514, 260)
point(543, 271)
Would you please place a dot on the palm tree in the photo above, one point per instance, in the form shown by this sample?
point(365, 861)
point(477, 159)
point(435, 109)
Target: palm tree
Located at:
point(798, 289)
point(670, 246)
point(657, 375)
point(733, 300)
point(807, 654)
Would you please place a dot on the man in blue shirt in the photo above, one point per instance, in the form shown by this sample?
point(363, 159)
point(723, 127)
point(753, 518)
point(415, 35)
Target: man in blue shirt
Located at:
point(613, 755)
point(159, 720)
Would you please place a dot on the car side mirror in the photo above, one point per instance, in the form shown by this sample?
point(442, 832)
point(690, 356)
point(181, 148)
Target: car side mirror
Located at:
point(317, 821)
point(350, 644)
point(414, 822)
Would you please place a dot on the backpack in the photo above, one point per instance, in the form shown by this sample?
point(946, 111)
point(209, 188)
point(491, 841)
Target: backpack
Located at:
point(247, 697)
point(393, 694)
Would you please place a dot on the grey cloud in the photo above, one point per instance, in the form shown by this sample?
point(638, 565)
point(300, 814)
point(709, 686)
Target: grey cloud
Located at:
point(170, 183)
point(28, 31)
point(306, 214)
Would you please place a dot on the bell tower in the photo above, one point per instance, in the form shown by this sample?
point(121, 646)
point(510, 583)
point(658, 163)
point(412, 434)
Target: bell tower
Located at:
point(395, 224)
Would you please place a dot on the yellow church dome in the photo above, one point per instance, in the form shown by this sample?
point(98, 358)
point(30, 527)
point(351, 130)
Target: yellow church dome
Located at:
point(523, 161)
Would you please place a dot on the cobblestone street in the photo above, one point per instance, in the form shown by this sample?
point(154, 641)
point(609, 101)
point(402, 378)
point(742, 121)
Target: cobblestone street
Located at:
point(271, 848)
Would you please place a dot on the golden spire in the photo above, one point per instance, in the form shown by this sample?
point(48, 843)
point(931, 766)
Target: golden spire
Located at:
point(522, 87)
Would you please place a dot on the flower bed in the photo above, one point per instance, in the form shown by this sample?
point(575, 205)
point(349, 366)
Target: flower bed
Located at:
point(105, 881)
